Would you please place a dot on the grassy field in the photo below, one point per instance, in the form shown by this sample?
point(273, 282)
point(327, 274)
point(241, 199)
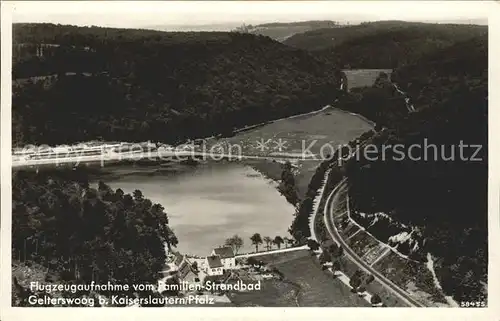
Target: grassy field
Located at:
point(375, 253)
point(349, 268)
point(363, 77)
point(305, 285)
point(365, 244)
point(269, 168)
point(343, 223)
point(330, 126)
point(362, 243)
point(412, 276)
point(350, 230)
point(274, 293)
point(389, 299)
point(320, 133)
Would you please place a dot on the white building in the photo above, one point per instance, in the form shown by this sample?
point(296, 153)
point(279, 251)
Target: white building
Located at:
point(214, 265)
point(226, 256)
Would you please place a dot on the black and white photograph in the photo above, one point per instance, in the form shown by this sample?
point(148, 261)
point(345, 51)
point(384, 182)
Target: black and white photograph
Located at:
point(247, 154)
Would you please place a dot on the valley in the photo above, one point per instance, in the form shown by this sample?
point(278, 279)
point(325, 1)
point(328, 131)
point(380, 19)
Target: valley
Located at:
point(301, 116)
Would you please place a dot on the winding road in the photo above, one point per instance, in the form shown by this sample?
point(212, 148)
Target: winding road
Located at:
point(334, 233)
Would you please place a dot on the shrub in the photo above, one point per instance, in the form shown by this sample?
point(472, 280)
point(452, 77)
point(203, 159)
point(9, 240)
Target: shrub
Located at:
point(375, 299)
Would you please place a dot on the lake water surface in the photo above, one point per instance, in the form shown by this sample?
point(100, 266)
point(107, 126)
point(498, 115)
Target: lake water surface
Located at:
point(211, 202)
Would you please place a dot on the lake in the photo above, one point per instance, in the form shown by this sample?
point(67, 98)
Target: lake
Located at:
point(211, 202)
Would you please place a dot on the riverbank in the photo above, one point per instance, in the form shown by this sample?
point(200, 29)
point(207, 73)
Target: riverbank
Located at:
point(209, 203)
point(320, 133)
point(251, 203)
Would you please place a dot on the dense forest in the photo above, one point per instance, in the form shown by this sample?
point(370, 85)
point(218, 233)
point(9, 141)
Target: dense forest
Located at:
point(439, 192)
point(301, 224)
point(461, 66)
point(135, 85)
point(383, 44)
point(381, 103)
point(83, 233)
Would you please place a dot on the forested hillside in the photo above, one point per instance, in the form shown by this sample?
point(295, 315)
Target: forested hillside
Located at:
point(438, 195)
point(133, 85)
point(381, 103)
point(383, 44)
point(435, 77)
point(281, 31)
point(324, 38)
point(81, 234)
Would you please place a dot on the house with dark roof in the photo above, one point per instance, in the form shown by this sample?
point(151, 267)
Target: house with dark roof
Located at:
point(178, 259)
point(187, 272)
point(214, 265)
point(226, 255)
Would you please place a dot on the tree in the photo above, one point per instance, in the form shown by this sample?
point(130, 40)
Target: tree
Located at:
point(256, 240)
point(338, 251)
point(138, 197)
point(172, 289)
point(278, 240)
point(361, 289)
point(369, 279)
point(324, 257)
point(88, 234)
point(103, 188)
point(252, 261)
point(335, 266)
point(333, 248)
point(313, 245)
point(359, 274)
point(235, 242)
point(286, 241)
point(287, 186)
point(171, 239)
point(268, 242)
point(355, 281)
point(375, 299)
